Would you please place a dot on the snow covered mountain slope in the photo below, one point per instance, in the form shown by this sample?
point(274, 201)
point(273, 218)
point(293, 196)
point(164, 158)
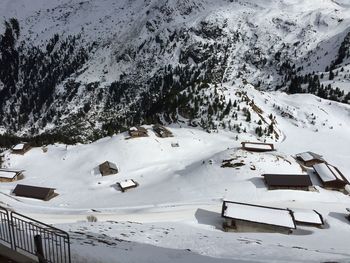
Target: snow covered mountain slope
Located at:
point(174, 213)
point(101, 66)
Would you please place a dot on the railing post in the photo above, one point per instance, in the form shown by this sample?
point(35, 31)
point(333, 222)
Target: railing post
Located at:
point(39, 248)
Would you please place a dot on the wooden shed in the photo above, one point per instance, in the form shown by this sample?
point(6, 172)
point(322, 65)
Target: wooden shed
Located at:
point(35, 192)
point(161, 131)
point(21, 148)
point(257, 146)
point(242, 217)
point(330, 176)
point(108, 168)
point(309, 158)
point(308, 217)
point(10, 175)
point(288, 181)
point(139, 131)
point(127, 184)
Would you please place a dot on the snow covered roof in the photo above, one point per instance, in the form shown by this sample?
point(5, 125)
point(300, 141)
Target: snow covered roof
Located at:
point(258, 146)
point(7, 174)
point(259, 214)
point(328, 173)
point(307, 216)
point(308, 156)
point(19, 146)
point(127, 184)
point(133, 129)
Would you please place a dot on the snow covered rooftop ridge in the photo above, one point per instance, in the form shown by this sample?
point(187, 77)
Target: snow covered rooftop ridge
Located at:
point(258, 214)
point(307, 217)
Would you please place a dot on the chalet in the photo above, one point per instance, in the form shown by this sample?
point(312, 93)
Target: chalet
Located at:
point(161, 131)
point(309, 158)
point(242, 217)
point(10, 175)
point(135, 132)
point(288, 181)
point(108, 168)
point(330, 176)
point(257, 146)
point(21, 148)
point(308, 217)
point(127, 184)
point(35, 192)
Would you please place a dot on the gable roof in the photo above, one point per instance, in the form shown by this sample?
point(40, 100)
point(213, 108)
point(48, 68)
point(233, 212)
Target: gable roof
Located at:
point(288, 180)
point(36, 192)
point(309, 156)
point(329, 173)
point(4, 173)
point(258, 146)
point(258, 214)
point(307, 216)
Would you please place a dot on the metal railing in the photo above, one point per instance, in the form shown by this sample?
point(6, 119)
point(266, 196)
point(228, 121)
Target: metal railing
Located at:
point(22, 234)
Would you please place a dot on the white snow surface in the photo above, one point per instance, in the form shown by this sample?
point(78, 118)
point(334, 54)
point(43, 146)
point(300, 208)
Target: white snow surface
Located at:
point(265, 215)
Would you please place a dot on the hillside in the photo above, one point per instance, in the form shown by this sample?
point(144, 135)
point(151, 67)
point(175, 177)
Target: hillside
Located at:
point(87, 69)
point(174, 213)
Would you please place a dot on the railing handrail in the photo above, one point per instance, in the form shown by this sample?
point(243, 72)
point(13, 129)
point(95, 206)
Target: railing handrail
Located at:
point(18, 222)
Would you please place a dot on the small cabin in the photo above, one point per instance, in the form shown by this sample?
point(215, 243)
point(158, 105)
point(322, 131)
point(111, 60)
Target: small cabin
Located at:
point(257, 146)
point(308, 217)
point(35, 192)
point(127, 184)
point(161, 131)
point(288, 181)
point(242, 217)
point(330, 176)
point(21, 148)
point(108, 168)
point(7, 176)
point(309, 159)
point(136, 132)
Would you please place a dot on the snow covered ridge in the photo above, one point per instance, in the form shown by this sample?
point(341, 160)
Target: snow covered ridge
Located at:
point(104, 66)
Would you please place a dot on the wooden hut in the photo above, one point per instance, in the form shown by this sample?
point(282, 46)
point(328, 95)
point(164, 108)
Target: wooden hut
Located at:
point(35, 192)
point(108, 168)
point(7, 176)
point(309, 158)
point(127, 184)
point(161, 131)
point(21, 148)
point(330, 176)
point(257, 146)
point(308, 217)
point(139, 131)
point(288, 181)
point(242, 217)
